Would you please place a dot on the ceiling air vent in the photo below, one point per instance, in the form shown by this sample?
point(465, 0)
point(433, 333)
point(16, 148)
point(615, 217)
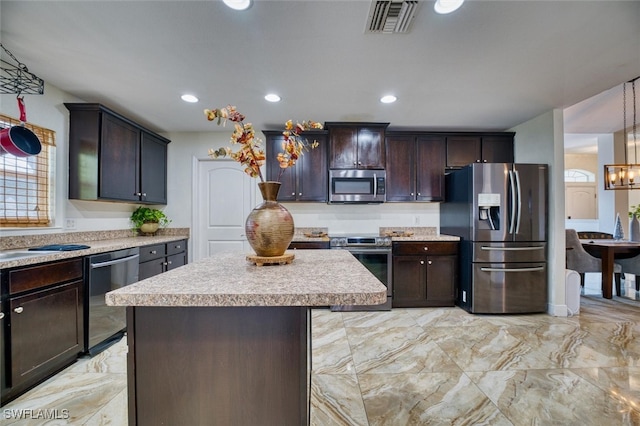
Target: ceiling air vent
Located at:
point(391, 16)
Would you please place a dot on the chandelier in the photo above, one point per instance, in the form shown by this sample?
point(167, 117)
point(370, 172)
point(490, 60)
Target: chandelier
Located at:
point(625, 176)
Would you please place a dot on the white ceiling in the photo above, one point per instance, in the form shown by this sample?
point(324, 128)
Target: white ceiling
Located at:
point(489, 66)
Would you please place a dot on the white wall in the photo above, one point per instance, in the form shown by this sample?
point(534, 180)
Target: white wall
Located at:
point(541, 140)
point(185, 147)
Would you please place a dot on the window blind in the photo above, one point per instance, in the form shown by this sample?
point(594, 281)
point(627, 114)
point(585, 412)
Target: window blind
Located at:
point(25, 182)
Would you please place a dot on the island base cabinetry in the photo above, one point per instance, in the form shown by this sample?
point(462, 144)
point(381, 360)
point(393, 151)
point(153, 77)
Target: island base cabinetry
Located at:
point(218, 365)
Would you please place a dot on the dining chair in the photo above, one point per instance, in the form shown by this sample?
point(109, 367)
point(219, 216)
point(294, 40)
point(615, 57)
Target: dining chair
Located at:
point(582, 262)
point(631, 266)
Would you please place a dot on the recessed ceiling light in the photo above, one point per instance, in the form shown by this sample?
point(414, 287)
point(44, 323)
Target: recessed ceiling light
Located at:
point(447, 6)
point(238, 4)
point(388, 99)
point(189, 98)
point(272, 97)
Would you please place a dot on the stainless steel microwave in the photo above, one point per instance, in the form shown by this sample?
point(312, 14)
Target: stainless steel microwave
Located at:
point(357, 186)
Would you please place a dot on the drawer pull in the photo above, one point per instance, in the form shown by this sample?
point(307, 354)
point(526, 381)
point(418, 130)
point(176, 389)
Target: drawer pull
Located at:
point(18, 310)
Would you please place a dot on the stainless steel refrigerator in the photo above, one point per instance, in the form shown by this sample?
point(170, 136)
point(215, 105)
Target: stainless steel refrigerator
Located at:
point(499, 211)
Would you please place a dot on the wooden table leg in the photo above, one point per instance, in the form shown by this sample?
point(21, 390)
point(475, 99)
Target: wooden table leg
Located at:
point(607, 272)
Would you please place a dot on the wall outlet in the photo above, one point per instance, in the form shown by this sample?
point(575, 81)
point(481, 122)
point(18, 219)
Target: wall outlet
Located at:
point(464, 296)
point(70, 224)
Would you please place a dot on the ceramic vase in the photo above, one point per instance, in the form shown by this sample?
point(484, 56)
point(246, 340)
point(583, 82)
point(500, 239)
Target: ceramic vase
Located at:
point(269, 227)
point(618, 233)
point(634, 229)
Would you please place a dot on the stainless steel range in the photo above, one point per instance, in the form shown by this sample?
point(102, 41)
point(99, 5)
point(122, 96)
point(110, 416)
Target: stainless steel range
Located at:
point(374, 252)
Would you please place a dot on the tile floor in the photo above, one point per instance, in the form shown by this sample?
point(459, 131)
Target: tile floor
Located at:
point(422, 367)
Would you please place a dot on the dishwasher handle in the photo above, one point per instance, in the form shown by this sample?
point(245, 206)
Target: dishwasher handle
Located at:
point(114, 262)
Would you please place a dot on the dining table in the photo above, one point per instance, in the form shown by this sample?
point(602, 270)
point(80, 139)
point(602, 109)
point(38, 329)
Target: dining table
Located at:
point(608, 250)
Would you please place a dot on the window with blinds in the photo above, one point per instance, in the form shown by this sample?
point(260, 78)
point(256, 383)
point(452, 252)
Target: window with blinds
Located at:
point(25, 182)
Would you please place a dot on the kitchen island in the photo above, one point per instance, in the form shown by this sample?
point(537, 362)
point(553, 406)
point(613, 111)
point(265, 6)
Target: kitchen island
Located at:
point(222, 341)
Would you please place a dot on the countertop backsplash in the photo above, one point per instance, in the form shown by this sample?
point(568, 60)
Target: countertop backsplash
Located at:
point(20, 242)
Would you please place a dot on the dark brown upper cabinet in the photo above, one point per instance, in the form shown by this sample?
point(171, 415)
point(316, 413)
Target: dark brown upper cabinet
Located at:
point(307, 180)
point(356, 145)
point(463, 149)
point(112, 158)
point(415, 167)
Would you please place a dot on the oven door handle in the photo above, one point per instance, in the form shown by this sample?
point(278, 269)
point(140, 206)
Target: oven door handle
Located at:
point(368, 251)
point(114, 262)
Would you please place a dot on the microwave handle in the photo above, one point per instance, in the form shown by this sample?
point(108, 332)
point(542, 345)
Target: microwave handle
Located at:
point(375, 185)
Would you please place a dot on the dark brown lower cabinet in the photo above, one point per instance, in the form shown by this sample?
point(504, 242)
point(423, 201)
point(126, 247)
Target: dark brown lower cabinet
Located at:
point(43, 323)
point(218, 365)
point(303, 245)
point(425, 274)
point(158, 258)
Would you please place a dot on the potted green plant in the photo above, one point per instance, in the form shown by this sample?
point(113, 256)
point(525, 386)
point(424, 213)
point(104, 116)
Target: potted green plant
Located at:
point(147, 220)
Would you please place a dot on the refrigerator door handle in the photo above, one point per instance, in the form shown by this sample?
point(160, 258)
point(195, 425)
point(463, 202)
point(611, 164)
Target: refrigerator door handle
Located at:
point(535, 268)
point(519, 216)
point(511, 248)
point(512, 188)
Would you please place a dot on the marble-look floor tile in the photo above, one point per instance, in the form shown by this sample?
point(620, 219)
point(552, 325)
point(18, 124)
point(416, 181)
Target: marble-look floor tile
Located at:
point(111, 360)
point(620, 383)
point(79, 395)
point(426, 399)
point(331, 353)
point(336, 400)
point(374, 319)
point(114, 413)
point(396, 350)
point(558, 397)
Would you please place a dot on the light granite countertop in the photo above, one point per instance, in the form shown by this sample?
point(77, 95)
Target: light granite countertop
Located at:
point(314, 278)
point(105, 241)
point(424, 233)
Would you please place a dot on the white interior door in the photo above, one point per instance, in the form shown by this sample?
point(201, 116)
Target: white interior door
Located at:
point(581, 201)
point(223, 198)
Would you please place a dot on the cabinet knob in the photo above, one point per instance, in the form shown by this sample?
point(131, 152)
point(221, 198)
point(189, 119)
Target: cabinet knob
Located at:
point(178, 246)
point(18, 310)
point(425, 248)
point(477, 161)
point(359, 163)
point(422, 262)
point(144, 194)
point(419, 194)
point(412, 194)
point(484, 161)
point(169, 263)
point(153, 252)
point(354, 163)
point(1, 315)
point(293, 194)
point(429, 262)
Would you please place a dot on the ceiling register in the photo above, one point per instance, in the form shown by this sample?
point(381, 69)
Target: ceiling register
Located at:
point(626, 176)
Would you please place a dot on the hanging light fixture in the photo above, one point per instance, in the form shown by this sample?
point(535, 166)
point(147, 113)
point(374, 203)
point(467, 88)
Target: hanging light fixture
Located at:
point(625, 176)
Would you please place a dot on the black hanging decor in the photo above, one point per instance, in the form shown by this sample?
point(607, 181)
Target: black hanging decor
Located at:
point(17, 79)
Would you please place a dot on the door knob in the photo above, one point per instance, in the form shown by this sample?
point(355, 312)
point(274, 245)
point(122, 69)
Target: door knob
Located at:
point(18, 310)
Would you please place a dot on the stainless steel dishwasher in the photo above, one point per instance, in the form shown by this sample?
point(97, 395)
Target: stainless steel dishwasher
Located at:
point(105, 325)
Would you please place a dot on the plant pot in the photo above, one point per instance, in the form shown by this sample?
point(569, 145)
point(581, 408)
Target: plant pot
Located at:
point(269, 227)
point(149, 227)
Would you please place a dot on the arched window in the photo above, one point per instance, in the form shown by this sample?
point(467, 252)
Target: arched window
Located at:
point(578, 175)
